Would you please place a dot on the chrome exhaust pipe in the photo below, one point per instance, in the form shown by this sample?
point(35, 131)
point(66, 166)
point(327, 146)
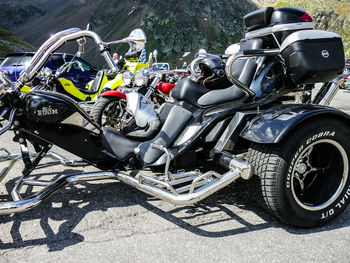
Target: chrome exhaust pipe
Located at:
point(328, 91)
point(145, 184)
point(51, 187)
point(166, 192)
point(183, 188)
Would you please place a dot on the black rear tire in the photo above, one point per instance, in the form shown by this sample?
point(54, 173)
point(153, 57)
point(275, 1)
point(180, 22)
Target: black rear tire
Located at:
point(304, 180)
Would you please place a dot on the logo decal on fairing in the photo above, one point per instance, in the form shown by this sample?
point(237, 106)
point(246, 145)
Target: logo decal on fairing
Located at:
point(45, 111)
point(325, 53)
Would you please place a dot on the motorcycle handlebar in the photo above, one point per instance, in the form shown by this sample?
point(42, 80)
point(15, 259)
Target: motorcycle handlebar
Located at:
point(55, 42)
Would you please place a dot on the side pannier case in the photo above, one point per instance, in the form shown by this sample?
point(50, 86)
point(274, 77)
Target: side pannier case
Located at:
point(313, 56)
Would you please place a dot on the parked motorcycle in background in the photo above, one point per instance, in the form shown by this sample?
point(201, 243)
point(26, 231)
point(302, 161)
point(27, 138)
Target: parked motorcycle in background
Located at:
point(134, 110)
point(107, 79)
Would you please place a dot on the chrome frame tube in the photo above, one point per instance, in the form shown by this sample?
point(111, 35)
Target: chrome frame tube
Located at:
point(10, 121)
point(56, 160)
point(23, 205)
point(145, 184)
point(180, 199)
point(198, 187)
point(238, 55)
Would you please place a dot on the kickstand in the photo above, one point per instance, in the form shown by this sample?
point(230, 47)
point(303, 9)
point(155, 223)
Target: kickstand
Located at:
point(30, 165)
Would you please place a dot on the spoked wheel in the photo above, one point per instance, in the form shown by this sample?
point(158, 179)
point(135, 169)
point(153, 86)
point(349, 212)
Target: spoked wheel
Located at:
point(110, 112)
point(305, 180)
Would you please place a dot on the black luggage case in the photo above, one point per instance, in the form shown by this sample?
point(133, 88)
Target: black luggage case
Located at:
point(313, 56)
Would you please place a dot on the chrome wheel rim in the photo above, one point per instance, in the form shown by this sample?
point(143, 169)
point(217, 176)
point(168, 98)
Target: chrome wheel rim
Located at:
point(319, 174)
point(113, 114)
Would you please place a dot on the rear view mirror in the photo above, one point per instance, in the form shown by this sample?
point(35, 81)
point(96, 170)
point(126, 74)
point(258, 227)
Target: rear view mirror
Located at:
point(137, 37)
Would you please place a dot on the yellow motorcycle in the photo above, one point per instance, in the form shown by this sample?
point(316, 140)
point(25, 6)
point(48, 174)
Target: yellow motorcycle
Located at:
point(105, 80)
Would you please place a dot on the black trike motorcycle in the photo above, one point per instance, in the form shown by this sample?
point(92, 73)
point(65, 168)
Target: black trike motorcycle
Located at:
point(242, 117)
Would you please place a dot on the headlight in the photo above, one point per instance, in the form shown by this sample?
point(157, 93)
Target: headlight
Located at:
point(47, 72)
point(141, 77)
point(127, 77)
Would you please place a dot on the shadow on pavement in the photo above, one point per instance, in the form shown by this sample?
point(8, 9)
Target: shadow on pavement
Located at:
point(81, 199)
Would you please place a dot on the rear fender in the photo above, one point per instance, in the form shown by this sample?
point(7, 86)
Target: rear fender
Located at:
point(114, 93)
point(273, 125)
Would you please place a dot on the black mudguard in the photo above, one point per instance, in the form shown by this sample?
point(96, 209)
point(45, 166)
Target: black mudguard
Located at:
point(273, 125)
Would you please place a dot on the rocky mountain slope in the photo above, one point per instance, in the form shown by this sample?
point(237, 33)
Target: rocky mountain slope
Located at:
point(11, 43)
point(172, 27)
point(332, 15)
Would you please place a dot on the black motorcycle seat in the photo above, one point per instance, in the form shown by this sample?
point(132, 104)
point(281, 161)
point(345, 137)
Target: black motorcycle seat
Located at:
point(195, 94)
point(122, 147)
point(218, 96)
point(188, 90)
point(95, 84)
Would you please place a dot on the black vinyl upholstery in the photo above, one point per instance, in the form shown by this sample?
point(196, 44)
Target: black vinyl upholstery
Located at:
point(258, 19)
point(188, 90)
point(114, 142)
point(215, 97)
point(95, 84)
point(176, 120)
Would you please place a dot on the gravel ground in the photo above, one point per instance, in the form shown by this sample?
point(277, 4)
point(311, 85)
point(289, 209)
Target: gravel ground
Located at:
point(109, 221)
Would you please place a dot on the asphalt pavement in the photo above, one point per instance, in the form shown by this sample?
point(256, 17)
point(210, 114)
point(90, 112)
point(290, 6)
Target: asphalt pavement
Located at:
point(111, 222)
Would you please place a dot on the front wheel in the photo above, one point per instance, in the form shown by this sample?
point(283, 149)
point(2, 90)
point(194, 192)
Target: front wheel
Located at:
point(305, 179)
point(110, 112)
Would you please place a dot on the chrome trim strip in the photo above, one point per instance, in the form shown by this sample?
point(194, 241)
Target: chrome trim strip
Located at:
point(307, 34)
point(277, 28)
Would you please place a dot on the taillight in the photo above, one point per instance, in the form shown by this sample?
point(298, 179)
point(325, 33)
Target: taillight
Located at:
point(307, 17)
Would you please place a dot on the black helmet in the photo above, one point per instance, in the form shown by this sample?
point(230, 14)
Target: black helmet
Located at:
point(213, 74)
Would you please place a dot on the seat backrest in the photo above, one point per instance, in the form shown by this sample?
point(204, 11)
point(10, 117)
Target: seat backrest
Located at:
point(258, 19)
point(97, 82)
point(244, 68)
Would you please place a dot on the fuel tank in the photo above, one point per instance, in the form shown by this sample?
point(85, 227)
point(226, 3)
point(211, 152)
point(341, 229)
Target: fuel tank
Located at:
point(49, 107)
point(55, 118)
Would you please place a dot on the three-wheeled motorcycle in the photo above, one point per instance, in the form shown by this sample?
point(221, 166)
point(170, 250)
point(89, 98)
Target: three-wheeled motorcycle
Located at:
point(295, 156)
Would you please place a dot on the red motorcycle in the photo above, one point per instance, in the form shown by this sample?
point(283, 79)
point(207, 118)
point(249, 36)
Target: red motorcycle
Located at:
point(116, 109)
